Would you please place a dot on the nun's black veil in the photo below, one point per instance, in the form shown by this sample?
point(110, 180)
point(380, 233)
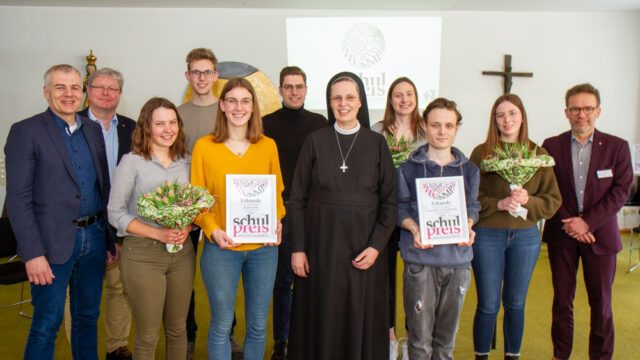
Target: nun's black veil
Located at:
point(363, 113)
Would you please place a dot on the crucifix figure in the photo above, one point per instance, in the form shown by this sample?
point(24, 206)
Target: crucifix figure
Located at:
point(508, 74)
point(344, 167)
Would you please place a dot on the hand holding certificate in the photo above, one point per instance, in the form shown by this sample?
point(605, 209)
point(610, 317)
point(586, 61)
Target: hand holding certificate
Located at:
point(442, 211)
point(251, 209)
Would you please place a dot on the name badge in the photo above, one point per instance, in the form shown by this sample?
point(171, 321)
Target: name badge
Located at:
point(605, 173)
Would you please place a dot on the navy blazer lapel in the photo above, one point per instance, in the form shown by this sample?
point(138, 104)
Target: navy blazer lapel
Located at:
point(94, 143)
point(54, 133)
point(123, 147)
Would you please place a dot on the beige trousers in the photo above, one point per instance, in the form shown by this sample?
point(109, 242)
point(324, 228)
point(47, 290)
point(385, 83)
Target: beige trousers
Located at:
point(158, 285)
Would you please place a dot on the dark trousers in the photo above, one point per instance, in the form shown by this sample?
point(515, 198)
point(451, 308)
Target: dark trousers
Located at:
point(599, 272)
point(392, 246)
point(282, 289)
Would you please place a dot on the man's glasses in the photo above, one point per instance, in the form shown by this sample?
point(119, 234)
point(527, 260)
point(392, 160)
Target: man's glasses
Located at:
point(588, 110)
point(289, 87)
point(105, 88)
point(198, 73)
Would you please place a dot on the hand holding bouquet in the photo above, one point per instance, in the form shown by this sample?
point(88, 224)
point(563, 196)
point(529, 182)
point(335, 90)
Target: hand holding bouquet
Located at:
point(400, 149)
point(517, 164)
point(174, 206)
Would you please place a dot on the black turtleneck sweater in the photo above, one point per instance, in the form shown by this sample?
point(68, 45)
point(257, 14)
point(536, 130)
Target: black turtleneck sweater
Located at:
point(289, 128)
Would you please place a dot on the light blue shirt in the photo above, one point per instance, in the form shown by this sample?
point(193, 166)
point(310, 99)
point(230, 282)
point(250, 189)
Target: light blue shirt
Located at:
point(110, 141)
point(580, 158)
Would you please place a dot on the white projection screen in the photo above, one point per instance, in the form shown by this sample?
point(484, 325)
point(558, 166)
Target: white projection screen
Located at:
point(378, 49)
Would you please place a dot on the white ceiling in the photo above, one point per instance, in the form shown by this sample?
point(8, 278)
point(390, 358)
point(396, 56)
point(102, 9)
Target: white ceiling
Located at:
point(433, 5)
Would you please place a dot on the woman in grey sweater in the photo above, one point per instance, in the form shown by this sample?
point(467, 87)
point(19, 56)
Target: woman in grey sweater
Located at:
point(157, 282)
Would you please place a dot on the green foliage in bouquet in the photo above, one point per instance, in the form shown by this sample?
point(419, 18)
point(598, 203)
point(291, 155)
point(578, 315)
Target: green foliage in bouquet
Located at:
point(515, 162)
point(174, 205)
point(400, 149)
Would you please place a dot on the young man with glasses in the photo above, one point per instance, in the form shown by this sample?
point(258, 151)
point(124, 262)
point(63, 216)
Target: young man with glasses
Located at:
point(594, 175)
point(289, 127)
point(199, 117)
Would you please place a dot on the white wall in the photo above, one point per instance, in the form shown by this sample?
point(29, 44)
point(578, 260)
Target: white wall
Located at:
point(149, 45)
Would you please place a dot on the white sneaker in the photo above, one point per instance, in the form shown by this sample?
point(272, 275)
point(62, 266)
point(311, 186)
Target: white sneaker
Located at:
point(403, 346)
point(393, 350)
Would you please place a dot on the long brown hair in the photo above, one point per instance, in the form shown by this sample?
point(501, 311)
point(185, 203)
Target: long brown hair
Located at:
point(141, 138)
point(493, 135)
point(254, 130)
point(389, 119)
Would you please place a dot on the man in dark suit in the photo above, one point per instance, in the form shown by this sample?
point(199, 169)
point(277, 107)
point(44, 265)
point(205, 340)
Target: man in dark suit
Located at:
point(594, 174)
point(57, 191)
point(104, 88)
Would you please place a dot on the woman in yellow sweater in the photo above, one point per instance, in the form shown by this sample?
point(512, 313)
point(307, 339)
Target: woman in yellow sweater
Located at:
point(236, 146)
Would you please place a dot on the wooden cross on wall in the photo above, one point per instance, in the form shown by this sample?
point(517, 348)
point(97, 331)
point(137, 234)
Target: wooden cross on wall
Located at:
point(508, 74)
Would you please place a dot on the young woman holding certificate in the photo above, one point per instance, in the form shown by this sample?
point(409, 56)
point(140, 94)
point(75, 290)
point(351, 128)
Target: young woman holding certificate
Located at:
point(507, 247)
point(403, 128)
point(236, 146)
point(343, 205)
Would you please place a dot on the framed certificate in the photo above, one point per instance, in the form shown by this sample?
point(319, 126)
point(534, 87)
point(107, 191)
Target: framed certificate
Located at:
point(442, 210)
point(251, 208)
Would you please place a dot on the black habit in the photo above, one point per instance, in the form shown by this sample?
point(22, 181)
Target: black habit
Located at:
point(339, 311)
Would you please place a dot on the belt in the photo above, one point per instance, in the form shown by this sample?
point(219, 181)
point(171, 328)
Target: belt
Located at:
point(86, 220)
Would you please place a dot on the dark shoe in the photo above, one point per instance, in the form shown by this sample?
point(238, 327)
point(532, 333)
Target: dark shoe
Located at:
point(511, 357)
point(279, 350)
point(191, 347)
point(236, 349)
point(121, 353)
point(482, 357)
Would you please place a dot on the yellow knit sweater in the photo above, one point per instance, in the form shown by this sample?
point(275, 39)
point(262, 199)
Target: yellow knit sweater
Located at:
point(211, 161)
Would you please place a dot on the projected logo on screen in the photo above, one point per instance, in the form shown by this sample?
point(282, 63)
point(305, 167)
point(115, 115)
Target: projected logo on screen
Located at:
point(363, 45)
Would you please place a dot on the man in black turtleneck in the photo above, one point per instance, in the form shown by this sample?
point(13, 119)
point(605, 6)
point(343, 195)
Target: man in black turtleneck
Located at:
point(289, 128)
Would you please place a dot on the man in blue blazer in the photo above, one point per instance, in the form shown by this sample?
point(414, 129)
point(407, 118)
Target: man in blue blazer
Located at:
point(594, 174)
point(57, 192)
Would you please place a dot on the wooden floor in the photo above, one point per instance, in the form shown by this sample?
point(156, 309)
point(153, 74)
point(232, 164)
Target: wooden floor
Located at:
point(536, 344)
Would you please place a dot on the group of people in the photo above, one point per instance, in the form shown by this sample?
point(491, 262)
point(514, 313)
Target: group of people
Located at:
point(343, 209)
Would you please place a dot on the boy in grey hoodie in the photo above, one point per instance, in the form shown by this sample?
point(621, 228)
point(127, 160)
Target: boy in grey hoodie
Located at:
point(436, 279)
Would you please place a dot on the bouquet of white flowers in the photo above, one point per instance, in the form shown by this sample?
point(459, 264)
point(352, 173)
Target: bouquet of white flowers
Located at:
point(517, 164)
point(174, 206)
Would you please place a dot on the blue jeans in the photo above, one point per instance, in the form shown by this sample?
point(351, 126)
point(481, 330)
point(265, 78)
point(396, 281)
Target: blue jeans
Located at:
point(503, 261)
point(82, 274)
point(221, 271)
point(282, 290)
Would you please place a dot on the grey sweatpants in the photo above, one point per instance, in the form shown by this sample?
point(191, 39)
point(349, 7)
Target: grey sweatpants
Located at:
point(433, 299)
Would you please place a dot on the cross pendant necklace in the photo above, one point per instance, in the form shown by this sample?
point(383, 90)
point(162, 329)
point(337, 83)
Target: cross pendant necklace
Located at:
point(344, 166)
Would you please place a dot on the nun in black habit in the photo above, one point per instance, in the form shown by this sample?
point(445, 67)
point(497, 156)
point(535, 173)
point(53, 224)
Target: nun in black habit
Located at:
point(343, 203)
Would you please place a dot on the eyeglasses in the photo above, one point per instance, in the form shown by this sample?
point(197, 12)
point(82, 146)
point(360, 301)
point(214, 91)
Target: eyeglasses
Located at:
point(198, 73)
point(246, 102)
point(588, 110)
point(349, 99)
point(504, 116)
point(105, 88)
point(290, 87)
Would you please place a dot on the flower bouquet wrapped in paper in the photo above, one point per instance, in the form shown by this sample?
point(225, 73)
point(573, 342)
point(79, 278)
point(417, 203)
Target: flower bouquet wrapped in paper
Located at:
point(400, 149)
point(516, 163)
point(174, 206)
